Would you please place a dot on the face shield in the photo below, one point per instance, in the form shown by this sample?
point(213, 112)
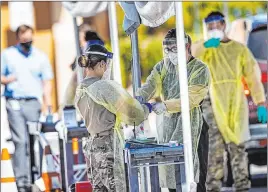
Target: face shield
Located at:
point(109, 63)
point(95, 42)
point(170, 51)
point(92, 42)
point(213, 27)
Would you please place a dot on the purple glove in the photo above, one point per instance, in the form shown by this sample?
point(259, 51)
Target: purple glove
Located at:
point(150, 107)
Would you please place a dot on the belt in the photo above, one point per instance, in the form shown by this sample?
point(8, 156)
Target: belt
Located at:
point(21, 98)
point(104, 133)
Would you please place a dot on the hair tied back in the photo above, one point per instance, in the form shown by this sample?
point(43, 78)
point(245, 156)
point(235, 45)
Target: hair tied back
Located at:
point(83, 61)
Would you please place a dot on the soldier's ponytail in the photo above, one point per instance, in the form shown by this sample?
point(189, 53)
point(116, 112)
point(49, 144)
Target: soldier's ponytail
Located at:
point(91, 60)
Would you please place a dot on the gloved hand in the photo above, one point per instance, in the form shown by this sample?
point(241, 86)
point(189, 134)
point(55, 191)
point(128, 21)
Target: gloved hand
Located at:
point(262, 114)
point(140, 99)
point(159, 108)
point(213, 42)
point(147, 107)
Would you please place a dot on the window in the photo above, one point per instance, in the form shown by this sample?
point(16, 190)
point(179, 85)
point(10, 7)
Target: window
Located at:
point(258, 42)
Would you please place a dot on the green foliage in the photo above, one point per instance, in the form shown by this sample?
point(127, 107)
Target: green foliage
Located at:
point(125, 60)
point(150, 54)
point(150, 51)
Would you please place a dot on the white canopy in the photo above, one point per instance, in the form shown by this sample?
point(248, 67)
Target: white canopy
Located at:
point(152, 14)
point(85, 9)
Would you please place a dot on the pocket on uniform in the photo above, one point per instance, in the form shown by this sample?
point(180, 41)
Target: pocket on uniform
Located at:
point(35, 71)
point(14, 104)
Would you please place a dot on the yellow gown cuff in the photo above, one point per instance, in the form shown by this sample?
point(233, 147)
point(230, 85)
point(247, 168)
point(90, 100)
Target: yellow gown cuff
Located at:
point(196, 94)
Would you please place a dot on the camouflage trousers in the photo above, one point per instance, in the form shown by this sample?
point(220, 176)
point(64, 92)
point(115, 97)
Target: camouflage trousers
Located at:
point(217, 146)
point(102, 165)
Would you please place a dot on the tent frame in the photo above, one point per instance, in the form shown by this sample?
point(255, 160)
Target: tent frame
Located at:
point(187, 139)
point(136, 74)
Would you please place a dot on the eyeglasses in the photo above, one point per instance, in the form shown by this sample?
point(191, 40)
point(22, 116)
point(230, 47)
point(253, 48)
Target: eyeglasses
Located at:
point(173, 50)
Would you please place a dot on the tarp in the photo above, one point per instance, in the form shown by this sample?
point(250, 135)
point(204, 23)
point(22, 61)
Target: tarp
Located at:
point(85, 9)
point(152, 14)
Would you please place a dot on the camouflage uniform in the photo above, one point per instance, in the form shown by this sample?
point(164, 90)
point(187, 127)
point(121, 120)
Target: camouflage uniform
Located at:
point(238, 156)
point(100, 160)
point(104, 105)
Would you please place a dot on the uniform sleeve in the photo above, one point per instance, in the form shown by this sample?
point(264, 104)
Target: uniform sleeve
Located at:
point(118, 101)
point(252, 75)
point(198, 89)
point(3, 64)
point(70, 91)
point(202, 53)
point(69, 95)
point(152, 87)
point(46, 69)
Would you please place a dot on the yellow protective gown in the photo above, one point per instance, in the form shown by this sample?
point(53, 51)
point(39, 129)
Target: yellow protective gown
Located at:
point(228, 64)
point(92, 95)
point(164, 81)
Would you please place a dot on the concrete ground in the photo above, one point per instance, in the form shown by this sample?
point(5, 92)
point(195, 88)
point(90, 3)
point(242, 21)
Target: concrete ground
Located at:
point(259, 180)
point(259, 173)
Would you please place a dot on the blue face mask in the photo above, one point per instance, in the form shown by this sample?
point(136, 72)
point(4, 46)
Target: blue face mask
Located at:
point(27, 46)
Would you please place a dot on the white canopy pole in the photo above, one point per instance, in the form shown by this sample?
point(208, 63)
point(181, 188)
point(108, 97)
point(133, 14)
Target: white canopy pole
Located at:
point(187, 138)
point(114, 42)
point(78, 51)
point(226, 11)
point(226, 16)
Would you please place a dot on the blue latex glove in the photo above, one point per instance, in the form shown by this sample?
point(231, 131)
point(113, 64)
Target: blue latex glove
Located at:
point(159, 108)
point(140, 99)
point(262, 114)
point(150, 107)
point(213, 42)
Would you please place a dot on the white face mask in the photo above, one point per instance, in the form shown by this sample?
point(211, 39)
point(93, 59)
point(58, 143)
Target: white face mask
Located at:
point(173, 58)
point(216, 33)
